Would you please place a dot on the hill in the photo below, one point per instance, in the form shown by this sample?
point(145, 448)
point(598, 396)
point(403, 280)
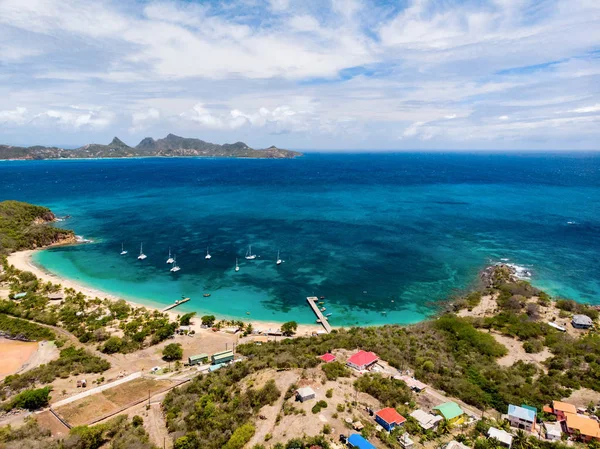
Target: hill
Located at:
point(170, 146)
point(25, 226)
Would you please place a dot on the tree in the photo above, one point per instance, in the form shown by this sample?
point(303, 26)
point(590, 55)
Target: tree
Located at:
point(520, 440)
point(112, 345)
point(289, 328)
point(208, 320)
point(137, 421)
point(30, 399)
point(172, 351)
point(185, 319)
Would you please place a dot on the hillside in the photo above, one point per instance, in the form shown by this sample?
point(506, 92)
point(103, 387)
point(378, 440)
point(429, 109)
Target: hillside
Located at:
point(25, 226)
point(170, 146)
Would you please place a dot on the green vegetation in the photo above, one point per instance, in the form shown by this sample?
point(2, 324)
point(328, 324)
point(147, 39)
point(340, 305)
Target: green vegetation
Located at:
point(289, 328)
point(25, 226)
point(172, 352)
point(117, 433)
point(72, 361)
point(24, 330)
point(390, 392)
point(29, 400)
point(319, 406)
point(186, 319)
point(208, 320)
point(333, 370)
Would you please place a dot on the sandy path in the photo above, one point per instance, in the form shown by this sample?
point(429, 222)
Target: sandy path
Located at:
point(516, 352)
point(22, 260)
point(156, 426)
point(47, 351)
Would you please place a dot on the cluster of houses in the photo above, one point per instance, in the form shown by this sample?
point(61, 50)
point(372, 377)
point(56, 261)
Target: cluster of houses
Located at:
point(217, 360)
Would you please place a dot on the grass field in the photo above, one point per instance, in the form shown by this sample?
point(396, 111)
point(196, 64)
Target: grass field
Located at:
point(93, 407)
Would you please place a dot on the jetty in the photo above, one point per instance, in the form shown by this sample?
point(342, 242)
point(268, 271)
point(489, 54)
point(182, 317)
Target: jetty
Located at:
point(312, 302)
point(176, 303)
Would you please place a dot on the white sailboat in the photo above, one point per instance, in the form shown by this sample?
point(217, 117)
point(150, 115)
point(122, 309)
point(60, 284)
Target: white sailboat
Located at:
point(175, 267)
point(237, 267)
point(208, 256)
point(249, 255)
point(123, 252)
point(279, 261)
point(170, 259)
point(142, 256)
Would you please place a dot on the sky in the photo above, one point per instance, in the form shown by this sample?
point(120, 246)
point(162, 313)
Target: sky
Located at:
point(307, 74)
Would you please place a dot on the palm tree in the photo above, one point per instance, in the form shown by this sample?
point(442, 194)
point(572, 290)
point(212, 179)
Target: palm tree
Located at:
point(444, 427)
point(521, 440)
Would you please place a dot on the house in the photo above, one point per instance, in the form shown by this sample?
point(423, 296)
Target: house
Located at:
point(521, 417)
point(329, 357)
point(216, 367)
point(389, 418)
point(553, 431)
point(412, 383)
point(584, 428)
point(426, 420)
point(502, 436)
point(582, 322)
point(356, 440)
point(57, 296)
point(451, 413)
point(405, 441)
point(304, 394)
point(561, 409)
point(222, 357)
point(197, 359)
point(362, 360)
point(260, 339)
point(455, 445)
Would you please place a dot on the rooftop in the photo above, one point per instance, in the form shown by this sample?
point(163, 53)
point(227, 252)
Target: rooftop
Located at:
point(327, 357)
point(564, 407)
point(501, 435)
point(456, 445)
point(363, 358)
point(582, 320)
point(521, 413)
point(305, 391)
point(356, 440)
point(449, 410)
point(586, 426)
point(391, 416)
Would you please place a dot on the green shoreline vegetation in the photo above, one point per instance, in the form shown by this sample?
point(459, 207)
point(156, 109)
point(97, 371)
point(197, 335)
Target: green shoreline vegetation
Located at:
point(457, 355)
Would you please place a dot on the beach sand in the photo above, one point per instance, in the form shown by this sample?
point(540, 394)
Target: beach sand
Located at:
point(14, 355)
point(23, 260)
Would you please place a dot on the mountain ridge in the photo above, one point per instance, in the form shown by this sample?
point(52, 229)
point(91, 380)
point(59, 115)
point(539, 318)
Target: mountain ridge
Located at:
point(169, 146)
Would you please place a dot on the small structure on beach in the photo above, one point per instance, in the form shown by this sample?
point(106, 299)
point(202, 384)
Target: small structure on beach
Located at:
point(503, 437)
point(451, 412)
point(305, 394)
point(222, 357)
point(582, 322)
point(356, 440)
point(556, 326)
point(328, 357)
point(389, 418)
point(362, 360)
point(56, 296)
point(260, 339)
point(521, 417)
point(197, 359)
point(426, 420)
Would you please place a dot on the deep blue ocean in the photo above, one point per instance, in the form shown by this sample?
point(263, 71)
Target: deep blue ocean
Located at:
point(384, 237)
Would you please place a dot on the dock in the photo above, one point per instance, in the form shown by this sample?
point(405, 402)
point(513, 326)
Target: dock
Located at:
point(176, 303)
point(312, 302)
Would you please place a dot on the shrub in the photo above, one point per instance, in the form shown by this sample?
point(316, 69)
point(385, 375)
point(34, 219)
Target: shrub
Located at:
point(318, 406)
point(289, 328)
point(29, 399)
point(329, 393)
point(333, 370)
point(172, 351)
point(208, 320)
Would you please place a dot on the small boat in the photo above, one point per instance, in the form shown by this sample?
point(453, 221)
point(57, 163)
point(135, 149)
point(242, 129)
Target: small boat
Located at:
point(170, 259)
point(247, 313)
point(323, 309)
point(142, 256)
point(237, 267)
point(175, 267)
point(208, 256)
point(206, 295)
point(321, 303)
point(322, 297)
point(249, 255)
point(123, 252)
point(279, 261)
point(329, 314)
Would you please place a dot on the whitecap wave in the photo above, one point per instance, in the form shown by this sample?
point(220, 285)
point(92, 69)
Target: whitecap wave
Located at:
point(82, 239)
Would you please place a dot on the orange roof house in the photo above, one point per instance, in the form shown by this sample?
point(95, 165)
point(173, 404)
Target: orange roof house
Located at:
point(562, 408)
point(588, 428)
point(362, 360)
point(389, 418)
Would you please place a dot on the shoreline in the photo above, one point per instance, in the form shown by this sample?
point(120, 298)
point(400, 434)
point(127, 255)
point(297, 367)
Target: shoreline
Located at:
point(23, 260)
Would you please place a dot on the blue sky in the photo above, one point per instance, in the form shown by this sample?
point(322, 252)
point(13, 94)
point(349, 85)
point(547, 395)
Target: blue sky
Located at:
point(309, 74)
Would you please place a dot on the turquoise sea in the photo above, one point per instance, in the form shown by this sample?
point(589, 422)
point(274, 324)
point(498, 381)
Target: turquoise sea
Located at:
point(384, 237)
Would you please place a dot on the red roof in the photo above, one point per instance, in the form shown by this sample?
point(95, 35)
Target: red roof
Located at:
point(327, 357)
point(391, 416)
point(362, 358)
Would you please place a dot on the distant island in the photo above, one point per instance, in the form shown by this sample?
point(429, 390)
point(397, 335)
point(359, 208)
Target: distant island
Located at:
point(170, 146)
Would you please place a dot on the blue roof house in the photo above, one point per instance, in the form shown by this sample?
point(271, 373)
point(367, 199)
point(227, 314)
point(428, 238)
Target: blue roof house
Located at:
point(521, 417)
point(356, 440)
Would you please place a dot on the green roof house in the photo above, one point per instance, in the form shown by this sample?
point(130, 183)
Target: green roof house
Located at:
point(197, 359)
point(451, 412)
point(222, 357)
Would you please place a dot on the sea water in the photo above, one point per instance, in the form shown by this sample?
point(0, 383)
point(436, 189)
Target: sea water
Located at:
point(384, 237)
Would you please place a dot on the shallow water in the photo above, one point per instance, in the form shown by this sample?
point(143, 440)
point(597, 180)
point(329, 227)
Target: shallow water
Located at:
point(383, 237)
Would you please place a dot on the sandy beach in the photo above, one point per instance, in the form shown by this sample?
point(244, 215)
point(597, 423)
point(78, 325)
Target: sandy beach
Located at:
point(22, 260)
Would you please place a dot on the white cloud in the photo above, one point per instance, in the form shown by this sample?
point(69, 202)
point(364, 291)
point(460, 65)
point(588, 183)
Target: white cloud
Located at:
point(15, 116)
point(587, 109)
point(74, 119)
point(141, 120)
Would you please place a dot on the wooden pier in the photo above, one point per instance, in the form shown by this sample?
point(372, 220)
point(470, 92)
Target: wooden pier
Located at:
point(312, 302)
point(176, 303)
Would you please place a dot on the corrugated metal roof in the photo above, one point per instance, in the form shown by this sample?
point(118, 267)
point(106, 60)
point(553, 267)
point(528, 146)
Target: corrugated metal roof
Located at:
point(521, 413)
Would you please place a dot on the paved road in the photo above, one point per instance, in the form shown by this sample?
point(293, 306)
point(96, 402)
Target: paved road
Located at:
point(91, 391)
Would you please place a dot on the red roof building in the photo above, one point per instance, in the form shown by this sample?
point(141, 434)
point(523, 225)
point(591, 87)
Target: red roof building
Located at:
point(362, 360)
point(389, 418)
point(329, 357)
